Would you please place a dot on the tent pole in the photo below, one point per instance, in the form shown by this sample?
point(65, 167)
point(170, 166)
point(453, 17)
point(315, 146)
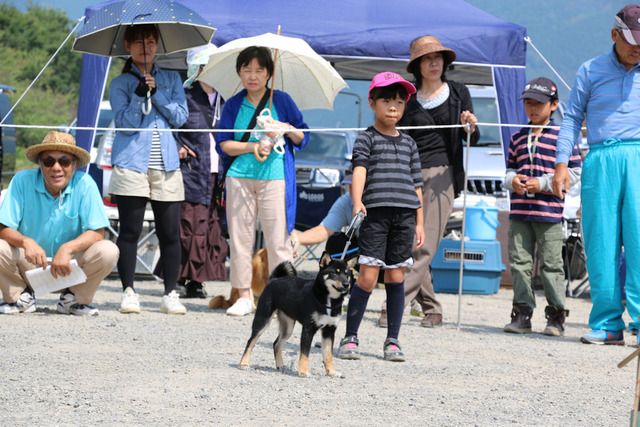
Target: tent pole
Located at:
point(464, 220)
point(273, 78)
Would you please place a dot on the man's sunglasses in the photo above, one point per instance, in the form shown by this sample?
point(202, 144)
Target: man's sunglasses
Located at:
point(63, 161)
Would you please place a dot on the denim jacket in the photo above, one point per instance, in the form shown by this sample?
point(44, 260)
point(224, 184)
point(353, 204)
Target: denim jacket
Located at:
point(131, 149)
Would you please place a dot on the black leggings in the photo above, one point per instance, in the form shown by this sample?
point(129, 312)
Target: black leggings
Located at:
point(167, 221)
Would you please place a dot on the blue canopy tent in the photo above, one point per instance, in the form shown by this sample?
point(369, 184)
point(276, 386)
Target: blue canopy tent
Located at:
point(361, 38)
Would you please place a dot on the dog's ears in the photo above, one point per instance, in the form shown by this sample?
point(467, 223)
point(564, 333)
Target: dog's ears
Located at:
point(352, 262)
point(325, 259)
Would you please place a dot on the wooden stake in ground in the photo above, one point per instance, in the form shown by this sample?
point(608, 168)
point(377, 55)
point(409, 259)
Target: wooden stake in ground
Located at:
point(636, 401)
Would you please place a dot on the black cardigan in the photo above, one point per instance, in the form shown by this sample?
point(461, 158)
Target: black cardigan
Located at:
point(459, 100)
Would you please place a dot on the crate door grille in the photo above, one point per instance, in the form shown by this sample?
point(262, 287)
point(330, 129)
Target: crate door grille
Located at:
point(476, 257)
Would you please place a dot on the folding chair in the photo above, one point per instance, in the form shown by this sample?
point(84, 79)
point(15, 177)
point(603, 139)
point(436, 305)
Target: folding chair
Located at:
point(313, 204)
point(148, 248)
point(575, 258)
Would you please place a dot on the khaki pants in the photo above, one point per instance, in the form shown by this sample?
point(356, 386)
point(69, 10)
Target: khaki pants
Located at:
point(437, 203)
point(248, 199)
point(96, 262)
point(524, 236)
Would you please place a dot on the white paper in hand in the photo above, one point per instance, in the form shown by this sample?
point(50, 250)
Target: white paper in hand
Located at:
point(42, 281)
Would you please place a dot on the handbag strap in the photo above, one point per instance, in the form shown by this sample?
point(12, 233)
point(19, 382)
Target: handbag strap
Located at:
point(252, 124)
point(254, 119)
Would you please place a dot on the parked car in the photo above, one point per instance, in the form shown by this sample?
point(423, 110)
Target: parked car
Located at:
point(323, 162)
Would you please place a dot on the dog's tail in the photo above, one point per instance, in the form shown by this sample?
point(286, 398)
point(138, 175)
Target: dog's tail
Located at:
point(282, 270)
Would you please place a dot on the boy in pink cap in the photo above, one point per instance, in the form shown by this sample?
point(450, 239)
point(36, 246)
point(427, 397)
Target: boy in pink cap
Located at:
point(387, 187)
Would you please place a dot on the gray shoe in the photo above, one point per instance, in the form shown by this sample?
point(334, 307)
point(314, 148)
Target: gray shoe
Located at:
point(349, 348)
point(392, 351)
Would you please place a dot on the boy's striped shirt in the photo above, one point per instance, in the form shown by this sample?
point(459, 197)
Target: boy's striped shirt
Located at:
point(543, 207)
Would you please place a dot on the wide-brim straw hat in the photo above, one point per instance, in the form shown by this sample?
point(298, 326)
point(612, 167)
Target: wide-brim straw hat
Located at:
point(429, 44)
point(59, 141)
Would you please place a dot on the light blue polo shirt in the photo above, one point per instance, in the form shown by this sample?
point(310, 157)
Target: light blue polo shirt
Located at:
point(30, 209)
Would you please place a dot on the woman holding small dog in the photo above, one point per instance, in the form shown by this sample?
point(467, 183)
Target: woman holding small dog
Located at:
point(264, 188)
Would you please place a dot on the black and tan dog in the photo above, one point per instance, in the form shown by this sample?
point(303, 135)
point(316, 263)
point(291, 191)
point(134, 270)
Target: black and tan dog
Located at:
point(316, 304)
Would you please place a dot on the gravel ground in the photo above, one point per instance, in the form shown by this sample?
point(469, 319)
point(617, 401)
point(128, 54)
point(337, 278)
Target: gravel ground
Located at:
point(155, 369)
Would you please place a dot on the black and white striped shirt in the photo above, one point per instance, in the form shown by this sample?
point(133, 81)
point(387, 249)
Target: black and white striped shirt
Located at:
point(393, 169)
point(155, 157)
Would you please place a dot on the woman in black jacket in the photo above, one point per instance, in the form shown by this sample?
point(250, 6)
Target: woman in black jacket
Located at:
point(204, 247)
point(437, 102)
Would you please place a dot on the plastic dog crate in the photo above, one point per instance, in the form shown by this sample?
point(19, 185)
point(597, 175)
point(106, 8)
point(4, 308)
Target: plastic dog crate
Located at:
point(482, 267)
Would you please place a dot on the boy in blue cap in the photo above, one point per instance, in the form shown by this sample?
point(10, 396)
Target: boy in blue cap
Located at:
point(536, 214)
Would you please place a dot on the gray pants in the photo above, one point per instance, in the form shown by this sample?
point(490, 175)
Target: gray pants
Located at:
point(437, 202)
point(523, 237)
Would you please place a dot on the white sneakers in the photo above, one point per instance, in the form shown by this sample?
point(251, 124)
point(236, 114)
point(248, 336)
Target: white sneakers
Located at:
point(25, 304)
point(242, 307)
point(171, 304)
point(130, 302)
point(68, 304)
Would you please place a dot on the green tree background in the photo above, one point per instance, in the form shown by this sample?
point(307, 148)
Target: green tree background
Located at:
point(27, 41)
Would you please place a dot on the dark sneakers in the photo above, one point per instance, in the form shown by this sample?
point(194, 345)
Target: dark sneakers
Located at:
point(520, 320)
point(555, 321)
point(195, 290)
point(431, 320)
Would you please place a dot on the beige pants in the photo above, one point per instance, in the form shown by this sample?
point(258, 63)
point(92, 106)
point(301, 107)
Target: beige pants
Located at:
point(437, 202)
point(96, 262)
point(248, 200)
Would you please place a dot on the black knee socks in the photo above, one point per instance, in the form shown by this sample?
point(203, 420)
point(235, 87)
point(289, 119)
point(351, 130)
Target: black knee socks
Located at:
point(355, 312)
point(395, 308)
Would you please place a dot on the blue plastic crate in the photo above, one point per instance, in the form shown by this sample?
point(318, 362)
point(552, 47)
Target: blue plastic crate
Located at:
point(482, 267)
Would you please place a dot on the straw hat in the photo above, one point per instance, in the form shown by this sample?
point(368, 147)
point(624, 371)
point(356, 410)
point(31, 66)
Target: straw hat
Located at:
point(429, 44)
point(58, 141)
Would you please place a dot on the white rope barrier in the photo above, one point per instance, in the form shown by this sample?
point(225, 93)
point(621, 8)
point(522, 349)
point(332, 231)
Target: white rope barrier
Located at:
point(68, 128)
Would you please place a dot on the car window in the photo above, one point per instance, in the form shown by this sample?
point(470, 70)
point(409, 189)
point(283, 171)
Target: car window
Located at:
point(486, 110)
point(324, 146)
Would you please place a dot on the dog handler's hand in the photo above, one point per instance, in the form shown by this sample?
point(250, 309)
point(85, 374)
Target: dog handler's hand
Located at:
point(359, 208)
point(560, 180)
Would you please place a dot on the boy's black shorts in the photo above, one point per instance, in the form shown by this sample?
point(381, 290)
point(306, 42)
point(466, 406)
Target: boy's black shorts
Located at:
point(387, 234)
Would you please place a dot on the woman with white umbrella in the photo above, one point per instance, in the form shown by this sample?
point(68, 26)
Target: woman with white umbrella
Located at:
point(146, 166)
point(256, 186)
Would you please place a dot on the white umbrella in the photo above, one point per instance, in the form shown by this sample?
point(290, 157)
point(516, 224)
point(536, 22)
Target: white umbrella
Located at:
point(299, 71)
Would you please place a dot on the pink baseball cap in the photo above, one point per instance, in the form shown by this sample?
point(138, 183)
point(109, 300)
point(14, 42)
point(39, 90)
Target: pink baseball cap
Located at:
point(388, 78)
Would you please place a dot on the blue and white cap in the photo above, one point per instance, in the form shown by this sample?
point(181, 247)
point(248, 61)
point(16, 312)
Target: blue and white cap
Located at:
point(195, 58)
